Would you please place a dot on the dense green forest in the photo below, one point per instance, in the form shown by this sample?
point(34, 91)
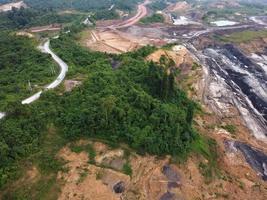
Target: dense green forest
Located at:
point(138, 103)
point(27, 17)
point(131, 101)
point(84, 5)
point(42, 12)
point(20, 64)
point(158, 5)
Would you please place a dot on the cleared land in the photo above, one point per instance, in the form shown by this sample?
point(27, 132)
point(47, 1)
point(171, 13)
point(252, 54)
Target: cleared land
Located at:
point(111, 41)
point(9, 6)
point(52, 27)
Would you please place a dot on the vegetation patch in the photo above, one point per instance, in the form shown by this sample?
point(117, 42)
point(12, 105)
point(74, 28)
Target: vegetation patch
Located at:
point(138, 104)
point(158, 4)
point(23, 68)
point(127, 169)
point(48, 165)
point(208, 149)
point(86, 148)
point(244, 36)
point(230, 128)
point(155, 18)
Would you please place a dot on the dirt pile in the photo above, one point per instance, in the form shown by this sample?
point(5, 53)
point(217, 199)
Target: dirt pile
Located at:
point(178, 7)
point(179, 54)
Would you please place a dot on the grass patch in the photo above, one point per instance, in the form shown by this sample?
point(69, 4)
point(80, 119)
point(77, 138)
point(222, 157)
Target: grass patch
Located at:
point(243, 37)
point(82, 177)
point(155, 18)
point(100, 174)
point(127, 169)
point(207, 147)
point(195, 66)
point(46, 186)
point(87, 148)
point(230, 128)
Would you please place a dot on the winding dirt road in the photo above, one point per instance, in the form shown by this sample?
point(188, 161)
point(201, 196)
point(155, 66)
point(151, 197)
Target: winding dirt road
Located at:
point(141, 12)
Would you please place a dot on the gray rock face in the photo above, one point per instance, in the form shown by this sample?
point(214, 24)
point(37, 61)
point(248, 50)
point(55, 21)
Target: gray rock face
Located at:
point(246, 83)
point(169, 196)
point(119, 187)
point(254, 157)
point(233, 79)
point(172, 176)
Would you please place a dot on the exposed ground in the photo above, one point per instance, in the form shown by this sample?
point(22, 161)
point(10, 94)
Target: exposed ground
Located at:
point(179, 54)
point(71, 84)
point(178, 7)
point(24, 33)
point(101, 177)
point(9, 6)
point(255, 46)
point(111, 41)
point(120, 36)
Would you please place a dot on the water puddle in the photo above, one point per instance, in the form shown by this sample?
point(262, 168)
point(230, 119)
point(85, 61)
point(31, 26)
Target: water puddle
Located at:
point(224, 23)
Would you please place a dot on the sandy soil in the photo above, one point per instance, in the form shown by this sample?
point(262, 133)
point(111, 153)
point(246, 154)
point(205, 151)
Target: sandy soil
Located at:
point(24, 33)
point(111, 41)
point(179, 54)
point(149, 181)
point(81, 180)
point(121, 41)
point(87, 181)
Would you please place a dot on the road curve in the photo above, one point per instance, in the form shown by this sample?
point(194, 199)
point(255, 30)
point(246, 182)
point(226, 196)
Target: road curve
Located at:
point(61, 63)
point(141, 12)
point(63, 71)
